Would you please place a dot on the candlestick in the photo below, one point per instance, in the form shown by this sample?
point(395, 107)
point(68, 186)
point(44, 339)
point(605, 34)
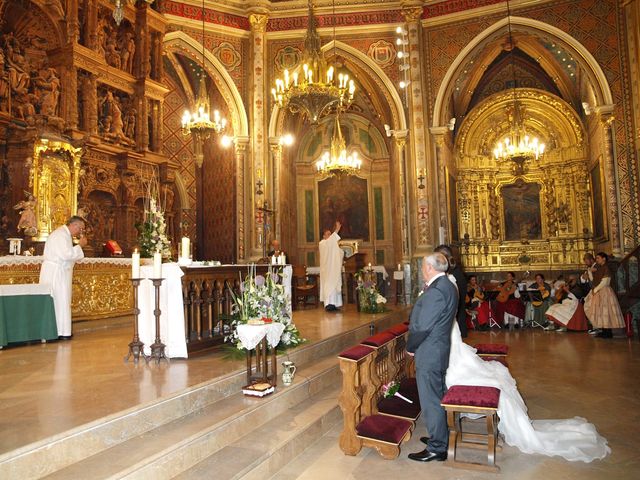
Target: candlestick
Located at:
point(157, 347)
point(157, 265)
point(135, 264)
point(136, 347)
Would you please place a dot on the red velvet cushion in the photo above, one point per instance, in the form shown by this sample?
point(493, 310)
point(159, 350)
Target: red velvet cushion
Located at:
point(491, 349)
point(399, 408)
point(379, 339)
point(409, 388)
point(472, 396)
point(356, 353)
point(406, 323)
point(502, 360)
point(382, 427)
point(398, 330)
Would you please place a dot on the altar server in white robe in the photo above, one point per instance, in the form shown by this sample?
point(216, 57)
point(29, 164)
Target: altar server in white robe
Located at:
point(57, 269)
point(331, 256)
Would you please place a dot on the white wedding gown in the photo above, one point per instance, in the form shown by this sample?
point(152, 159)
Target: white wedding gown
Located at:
point(574, 439)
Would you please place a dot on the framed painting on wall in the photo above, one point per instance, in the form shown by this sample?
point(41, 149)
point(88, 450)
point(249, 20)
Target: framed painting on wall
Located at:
point(598, 199)
point(521, 204)
point(344, 199)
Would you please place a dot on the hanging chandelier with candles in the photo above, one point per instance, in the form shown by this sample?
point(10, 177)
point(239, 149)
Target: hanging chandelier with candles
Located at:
point(313, 87)
point(199, 122)
point(118, 9)
point(336, 161)
point(516, 146)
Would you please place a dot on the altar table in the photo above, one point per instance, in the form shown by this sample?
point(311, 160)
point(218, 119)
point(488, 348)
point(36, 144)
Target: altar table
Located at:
point(26, 313)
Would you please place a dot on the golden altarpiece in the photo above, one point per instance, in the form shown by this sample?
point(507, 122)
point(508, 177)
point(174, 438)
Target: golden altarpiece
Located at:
point(81, 104)
point(522, 214)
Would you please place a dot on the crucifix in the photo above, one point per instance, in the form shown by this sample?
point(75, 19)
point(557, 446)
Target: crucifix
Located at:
point(263, 215)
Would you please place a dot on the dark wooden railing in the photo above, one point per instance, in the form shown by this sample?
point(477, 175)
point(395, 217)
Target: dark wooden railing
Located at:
point(207, 298)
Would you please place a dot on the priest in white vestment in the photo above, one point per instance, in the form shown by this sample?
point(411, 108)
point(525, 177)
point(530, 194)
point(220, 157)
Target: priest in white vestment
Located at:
point(57, 269)
point(331, 256)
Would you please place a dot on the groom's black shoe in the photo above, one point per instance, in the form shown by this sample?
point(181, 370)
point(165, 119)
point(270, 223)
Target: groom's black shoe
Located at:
point(424, 440)
point(427, 456)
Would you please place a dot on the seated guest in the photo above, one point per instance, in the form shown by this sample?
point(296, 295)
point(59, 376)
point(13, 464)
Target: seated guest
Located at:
point(601, 305)
point(540, 307)
point(509, 308)
point(568, 312)
point(476, 305)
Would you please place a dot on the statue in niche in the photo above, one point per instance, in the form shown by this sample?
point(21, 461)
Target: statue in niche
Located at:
point(112, 53)
point(101, 34)
point(127, 52)
point(16, 65)
point(48, 85)
point(130, 124)
point(111, 116)
point(27, 213)
point(4, 84)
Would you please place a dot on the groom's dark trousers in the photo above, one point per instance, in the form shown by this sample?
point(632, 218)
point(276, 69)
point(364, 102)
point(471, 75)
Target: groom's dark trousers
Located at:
point(430, 341)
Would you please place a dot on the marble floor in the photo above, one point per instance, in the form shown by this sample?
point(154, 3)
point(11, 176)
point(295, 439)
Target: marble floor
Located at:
point(560, 375)
point(49, 388)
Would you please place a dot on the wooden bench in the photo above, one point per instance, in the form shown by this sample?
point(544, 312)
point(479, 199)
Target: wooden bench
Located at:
point(369, 418)
point(461, 399)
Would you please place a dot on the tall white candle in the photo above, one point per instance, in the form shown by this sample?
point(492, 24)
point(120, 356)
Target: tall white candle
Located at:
point(157, 265)
point(399, 267)
point(186, 247)
point(135, 264)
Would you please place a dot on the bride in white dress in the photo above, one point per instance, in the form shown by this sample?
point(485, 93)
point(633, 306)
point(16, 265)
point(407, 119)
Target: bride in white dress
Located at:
point(574, 439)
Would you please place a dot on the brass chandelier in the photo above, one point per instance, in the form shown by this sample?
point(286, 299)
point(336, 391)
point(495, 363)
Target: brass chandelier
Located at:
point(336, 161)
point(312, 88)
point(199, 123)
point(517, 146)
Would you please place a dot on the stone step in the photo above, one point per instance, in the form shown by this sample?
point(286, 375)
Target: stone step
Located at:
point(176, 446)
point(215, 401)
point(264, 451)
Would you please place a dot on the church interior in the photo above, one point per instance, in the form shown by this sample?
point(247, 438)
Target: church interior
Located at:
point(509, 130)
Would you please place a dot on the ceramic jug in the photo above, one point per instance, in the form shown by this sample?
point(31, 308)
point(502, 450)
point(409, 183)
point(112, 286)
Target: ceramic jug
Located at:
point(288, 372)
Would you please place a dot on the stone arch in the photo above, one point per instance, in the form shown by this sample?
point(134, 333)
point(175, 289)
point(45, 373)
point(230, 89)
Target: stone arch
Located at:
point(369, 67)
point(182, 43)
point(589, 64)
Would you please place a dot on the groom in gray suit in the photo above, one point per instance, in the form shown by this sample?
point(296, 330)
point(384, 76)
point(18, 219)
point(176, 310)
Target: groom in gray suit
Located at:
point(430, 342)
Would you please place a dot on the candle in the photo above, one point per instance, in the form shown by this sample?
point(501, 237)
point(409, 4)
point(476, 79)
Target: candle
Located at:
point(186, 247)
point(399, 267)
point(274, 260)
point(369, 265)
point(135, 264)
point(157, 265)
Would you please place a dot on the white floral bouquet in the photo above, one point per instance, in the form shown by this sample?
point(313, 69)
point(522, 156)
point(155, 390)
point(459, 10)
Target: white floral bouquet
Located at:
point(262, 299)
point(152, 232)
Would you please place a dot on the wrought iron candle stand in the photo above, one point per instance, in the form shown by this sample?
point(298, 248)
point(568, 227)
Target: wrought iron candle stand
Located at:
point(157, 348)
point(136, 347)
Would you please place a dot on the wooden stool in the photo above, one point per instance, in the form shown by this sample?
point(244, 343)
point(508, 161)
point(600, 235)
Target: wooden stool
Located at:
point(472, 399)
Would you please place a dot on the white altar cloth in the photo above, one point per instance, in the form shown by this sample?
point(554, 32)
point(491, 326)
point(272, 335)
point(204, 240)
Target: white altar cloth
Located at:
point(252, 335)
point(171, 310)
point(375, 268)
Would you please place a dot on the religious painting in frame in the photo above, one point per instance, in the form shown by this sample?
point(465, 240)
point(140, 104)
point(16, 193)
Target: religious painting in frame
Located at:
point(345, 199)
point(521, 206)
point(598, 199)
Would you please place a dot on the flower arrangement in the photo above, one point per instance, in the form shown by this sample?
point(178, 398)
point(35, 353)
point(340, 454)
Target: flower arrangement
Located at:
point(370, 299)
point(152, 235)
point(262, 299)
point(391, 389)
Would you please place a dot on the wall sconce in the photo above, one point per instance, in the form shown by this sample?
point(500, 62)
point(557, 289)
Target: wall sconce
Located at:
point(422, 176)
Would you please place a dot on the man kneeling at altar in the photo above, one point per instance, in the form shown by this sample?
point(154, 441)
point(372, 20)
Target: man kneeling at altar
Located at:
point(568, 313)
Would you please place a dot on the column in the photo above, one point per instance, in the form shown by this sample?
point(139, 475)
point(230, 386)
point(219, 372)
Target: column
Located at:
point(400, 141)
point(90, 103)
point(273, 194)
point(440, 136)
point(69, 98)
point(243, 195)
point(420, 143)
point(605, 115)
point(258, 123)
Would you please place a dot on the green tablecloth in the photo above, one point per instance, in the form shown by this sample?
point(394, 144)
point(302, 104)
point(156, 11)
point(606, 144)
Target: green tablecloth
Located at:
point(27, 317)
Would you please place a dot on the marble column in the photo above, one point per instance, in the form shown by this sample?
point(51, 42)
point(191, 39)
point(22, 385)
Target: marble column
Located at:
point(243, 196)
point(605, 115)
point(400, 142)
point(258, 172)
point(419, 142)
